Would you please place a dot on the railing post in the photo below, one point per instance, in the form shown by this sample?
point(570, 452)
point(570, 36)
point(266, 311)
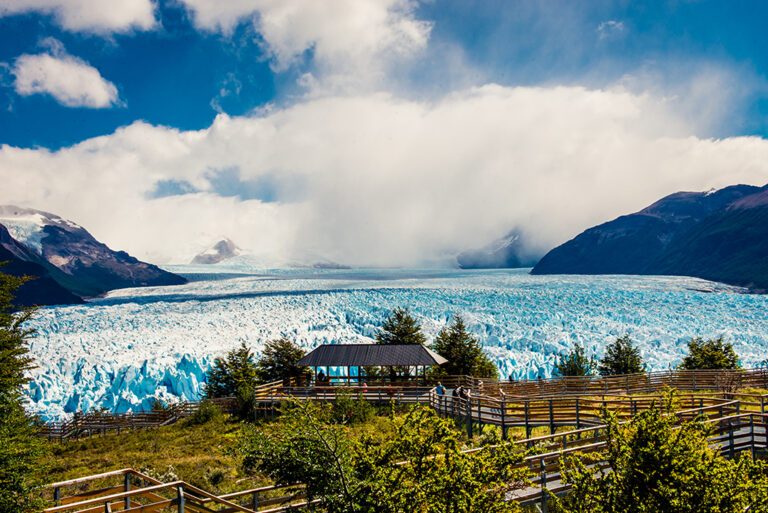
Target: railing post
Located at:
point(578, 419)
point(255, 503)
point(127, 488)
point(731, 450)
point(503, 420)
point(527, 421)
point(57, 496)
point(181, 499)
point(551, 419)
point(469, 418)
point(107, 508)
point(752, 435)
point(544, 491)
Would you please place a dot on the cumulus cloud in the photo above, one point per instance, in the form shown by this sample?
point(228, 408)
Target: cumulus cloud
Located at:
point(351, 41)
point(377, 180)
point(71, 81)
point(89, 15)
point(610, 28)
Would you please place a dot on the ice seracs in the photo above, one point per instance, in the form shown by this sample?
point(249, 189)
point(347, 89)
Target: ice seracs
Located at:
point(134, 345)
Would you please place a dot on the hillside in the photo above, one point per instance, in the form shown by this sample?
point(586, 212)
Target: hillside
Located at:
point(717, 235)
point(68, 262)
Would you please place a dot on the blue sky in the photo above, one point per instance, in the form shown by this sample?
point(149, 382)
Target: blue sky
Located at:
point(173, 74)
point(372, 132)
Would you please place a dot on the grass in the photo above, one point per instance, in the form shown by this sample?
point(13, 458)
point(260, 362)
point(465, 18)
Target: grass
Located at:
point(200, 454)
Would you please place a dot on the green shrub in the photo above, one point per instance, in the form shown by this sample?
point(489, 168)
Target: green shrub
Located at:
point(246, 402)
point(621, 357)
point(575, 362)
point(710, 354)
point(349, 410)
point(206, 412)
point(658, 466)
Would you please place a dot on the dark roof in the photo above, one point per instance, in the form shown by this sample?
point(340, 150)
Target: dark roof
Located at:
point(359, 355)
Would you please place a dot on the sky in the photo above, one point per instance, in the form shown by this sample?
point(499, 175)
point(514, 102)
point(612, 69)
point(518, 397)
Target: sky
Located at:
point(372, 132)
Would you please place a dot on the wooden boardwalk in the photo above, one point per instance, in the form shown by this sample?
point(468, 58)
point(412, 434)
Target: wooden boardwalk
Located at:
point(571, 409)
point(131, 491)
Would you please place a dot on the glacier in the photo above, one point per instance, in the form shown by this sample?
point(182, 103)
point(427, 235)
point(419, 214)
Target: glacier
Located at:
point(124, 350)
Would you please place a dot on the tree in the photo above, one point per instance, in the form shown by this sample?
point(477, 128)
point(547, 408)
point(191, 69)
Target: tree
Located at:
point(279, 360)
point(234, 372)
point(657, 466)
point(463, 351)
point(400, 328)
point(621, 357)
point(20, 449)
point(575, 362)
point(419, 468)
point(710, 354)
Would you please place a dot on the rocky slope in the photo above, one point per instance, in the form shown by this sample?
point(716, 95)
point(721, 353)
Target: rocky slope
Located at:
point(72, 257)
point(222, 250)
point(717, 235)
point(41, 289)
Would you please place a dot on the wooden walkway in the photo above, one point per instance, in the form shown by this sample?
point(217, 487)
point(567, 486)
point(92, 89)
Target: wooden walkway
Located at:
point(130, 491)
point(514, 396)
point(569, 408)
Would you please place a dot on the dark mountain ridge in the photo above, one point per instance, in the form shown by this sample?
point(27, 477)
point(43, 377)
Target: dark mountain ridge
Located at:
point(52, 249)
point(42, 289)
point(718, 235)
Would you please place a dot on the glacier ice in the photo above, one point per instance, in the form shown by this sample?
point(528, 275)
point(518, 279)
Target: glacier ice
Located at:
point(134, 345)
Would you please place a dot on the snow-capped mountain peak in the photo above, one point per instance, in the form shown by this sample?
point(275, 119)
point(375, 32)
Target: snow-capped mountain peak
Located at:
point(222, 250)
point(26, 225)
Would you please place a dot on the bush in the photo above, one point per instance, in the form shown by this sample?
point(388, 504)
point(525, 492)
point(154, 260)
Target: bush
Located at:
point(621, 357)
point(575, 363)
point(351, 476)
point(278, 362)
point(236, 370)
point(246, 403)
point(21, 452)
point(400, 328)
point(710, 354)
point(657, 466)
point(206, 412)
point(463, 351)
point(348, 410)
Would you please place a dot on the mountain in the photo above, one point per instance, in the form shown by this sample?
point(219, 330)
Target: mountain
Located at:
point(716, 235)
point(507, 252)
point(21, 261)
point(222, 250)
point(72, 257)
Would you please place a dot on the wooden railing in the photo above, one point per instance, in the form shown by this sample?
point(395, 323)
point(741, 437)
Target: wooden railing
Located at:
point(130, 490)
point(576, 411)
point(135, 492)
point(102, 422)
point(649, 382)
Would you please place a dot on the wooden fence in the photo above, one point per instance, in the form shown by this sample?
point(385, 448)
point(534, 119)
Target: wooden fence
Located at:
point(576, 406)
point(648, 382)
point(102, 422)
point(130, 491)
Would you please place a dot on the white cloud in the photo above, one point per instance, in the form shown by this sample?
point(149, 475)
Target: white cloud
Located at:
point(373, 179)
point(351, 40)
point(610, 28)
point(71, 81)
point(89, 15)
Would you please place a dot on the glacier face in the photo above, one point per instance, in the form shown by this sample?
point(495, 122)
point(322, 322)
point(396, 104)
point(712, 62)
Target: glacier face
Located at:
point(122, 351)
